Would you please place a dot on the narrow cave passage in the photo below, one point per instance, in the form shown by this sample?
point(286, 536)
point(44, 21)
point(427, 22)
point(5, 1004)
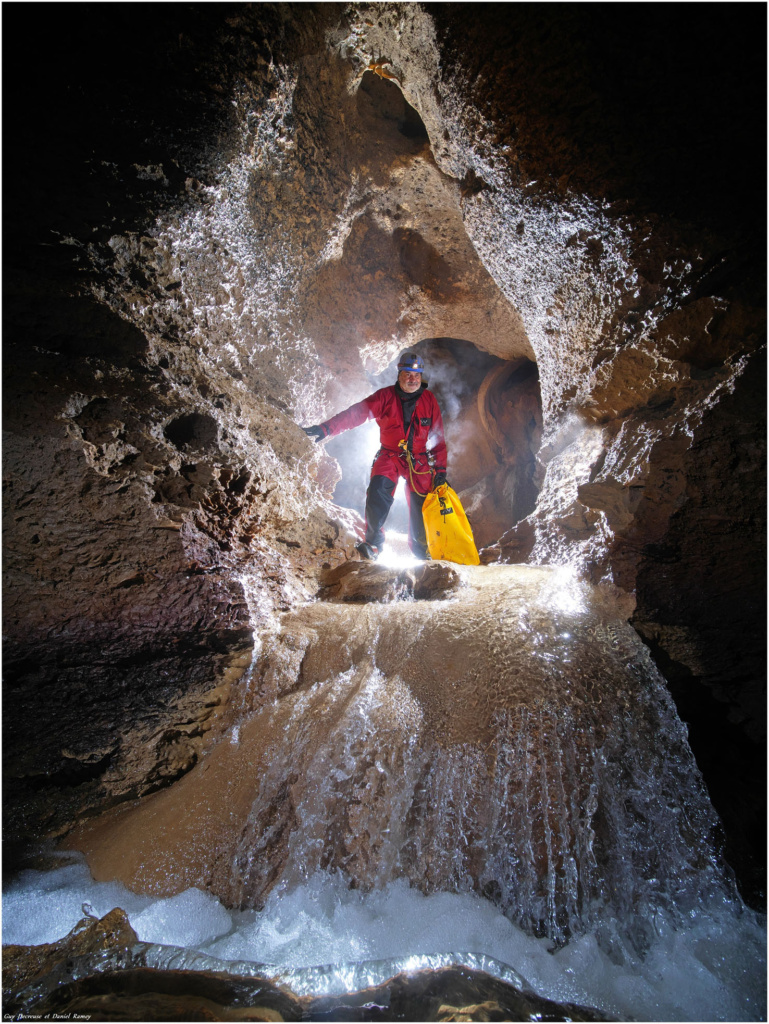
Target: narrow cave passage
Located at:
point(492, 415)
point(405, 267)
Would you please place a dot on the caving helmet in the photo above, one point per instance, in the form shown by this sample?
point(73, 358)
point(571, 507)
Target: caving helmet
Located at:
point(411, 362)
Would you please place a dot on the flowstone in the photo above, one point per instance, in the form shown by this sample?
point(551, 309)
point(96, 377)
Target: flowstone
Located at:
point(514, 740)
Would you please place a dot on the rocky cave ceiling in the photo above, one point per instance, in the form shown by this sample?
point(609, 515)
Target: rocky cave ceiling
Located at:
point(226, 220)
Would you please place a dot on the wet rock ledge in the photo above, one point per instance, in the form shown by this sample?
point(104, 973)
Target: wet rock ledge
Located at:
point(101, 971)
point(367, 581)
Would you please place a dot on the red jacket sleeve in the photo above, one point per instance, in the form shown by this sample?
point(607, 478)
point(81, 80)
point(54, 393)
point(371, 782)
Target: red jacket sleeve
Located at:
point(354, 416)
point(436, 441)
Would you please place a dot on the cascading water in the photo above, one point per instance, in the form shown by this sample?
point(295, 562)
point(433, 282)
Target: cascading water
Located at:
point(515, 741)
point(512, 744)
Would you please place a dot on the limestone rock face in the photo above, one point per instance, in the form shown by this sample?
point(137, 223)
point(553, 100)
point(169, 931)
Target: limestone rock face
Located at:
point(240, 231)
point(148, 542)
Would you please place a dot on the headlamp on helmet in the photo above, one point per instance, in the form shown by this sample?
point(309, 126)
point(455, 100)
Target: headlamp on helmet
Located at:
point(411, 363)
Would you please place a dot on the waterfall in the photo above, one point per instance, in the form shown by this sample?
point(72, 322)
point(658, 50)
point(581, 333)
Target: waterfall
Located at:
point(515, 741)
point(508, 742)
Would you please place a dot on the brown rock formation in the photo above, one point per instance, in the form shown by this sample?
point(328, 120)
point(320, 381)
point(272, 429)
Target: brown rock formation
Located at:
point(100, 971)
point(371, 582)
point(25, 965)
point(237, 233)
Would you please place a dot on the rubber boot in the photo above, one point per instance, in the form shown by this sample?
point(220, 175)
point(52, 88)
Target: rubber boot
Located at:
point(367, 552)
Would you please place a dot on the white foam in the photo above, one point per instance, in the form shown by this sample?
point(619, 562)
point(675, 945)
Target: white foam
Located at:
point(714, 970)
point(192, 918)
point(43, 906)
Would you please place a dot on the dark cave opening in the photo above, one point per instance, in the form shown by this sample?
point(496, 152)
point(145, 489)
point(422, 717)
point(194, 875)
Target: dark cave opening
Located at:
point(193, 430)
point(384, 98)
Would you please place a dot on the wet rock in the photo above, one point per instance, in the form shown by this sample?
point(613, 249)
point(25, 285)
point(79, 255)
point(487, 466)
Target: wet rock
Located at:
point(446, 994)
point(515, 741)
point(168, 995)
point(435, 580)
point(356, 581)
point(241, 233)
point(363, 582)
point(26, 967)
point(101, 971)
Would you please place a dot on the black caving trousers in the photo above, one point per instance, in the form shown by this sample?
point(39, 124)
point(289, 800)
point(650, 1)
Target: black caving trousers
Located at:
point(379, 500)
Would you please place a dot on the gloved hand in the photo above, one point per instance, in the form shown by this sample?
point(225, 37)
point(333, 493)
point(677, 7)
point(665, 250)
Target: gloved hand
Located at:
point(316, 433)
point(440, 478)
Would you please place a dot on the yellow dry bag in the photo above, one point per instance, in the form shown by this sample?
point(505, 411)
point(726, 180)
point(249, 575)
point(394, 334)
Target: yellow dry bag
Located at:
point(449, 535)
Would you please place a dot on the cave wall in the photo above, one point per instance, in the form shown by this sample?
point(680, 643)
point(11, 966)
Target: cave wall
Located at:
point(618, 199)
point(152, 493)
point(229, 219)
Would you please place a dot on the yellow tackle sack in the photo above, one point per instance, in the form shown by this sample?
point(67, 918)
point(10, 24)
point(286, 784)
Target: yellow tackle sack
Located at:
point(449, 535)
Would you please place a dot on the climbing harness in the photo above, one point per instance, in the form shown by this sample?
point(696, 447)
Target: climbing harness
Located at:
point(403, 445)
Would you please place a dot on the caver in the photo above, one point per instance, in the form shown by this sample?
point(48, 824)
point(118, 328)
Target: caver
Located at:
point(412, 447)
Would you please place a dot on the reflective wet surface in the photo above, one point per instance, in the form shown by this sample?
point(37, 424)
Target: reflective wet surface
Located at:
point(513, 740)
point(510, 744)
point(101, 971)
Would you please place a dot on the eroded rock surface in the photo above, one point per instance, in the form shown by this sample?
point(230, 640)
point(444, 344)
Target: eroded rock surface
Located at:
point(240, 231)
point(100, 970)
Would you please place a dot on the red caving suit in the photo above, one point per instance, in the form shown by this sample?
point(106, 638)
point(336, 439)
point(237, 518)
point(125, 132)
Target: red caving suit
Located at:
point(390, 463)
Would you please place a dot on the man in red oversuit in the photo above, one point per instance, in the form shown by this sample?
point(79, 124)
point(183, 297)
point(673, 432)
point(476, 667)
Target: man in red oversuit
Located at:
point(412, 447)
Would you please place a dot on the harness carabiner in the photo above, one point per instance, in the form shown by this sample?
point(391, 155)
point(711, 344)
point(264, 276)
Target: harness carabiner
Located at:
point(403, 445)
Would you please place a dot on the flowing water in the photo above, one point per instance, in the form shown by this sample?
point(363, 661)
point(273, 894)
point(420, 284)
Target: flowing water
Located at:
point(500, 771)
